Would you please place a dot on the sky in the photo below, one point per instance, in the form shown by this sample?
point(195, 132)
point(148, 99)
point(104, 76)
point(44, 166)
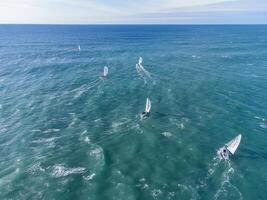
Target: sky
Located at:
point(133, 11)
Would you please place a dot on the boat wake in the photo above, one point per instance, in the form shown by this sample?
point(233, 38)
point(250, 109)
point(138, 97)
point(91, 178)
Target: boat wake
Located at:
point(211, 170)
point(146, 75)
point(85, 87)
point(226, 189)
point(220, 176)
point(60, 170)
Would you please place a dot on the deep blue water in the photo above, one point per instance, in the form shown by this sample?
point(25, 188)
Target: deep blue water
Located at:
point(67, 134)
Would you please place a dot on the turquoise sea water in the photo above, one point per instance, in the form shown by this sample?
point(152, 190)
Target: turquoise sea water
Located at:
point(66, 134)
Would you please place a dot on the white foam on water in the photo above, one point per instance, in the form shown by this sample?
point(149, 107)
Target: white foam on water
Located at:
point(214, 164)
point(84, 132)
point(8, 178)
point(253, 75)
point(166, 134)
point(226, 185)
point(98, 120)
point(4, 129)
point(35, 168)
point(85, 87)
point(87, 140)
point(51, 130)
point(181, 126)
point(17, 111)
point(187, 189)
point(263, 125)
point(51, 97)
point(97, 153)
point(211, 169)
point(116, 125)
point(155, 193)
point(78, 94)
point(2, 80)
point(142, 179)
point(145, 186)
point(50, 142)
point(180, 123)
point(74, 119)
point(147, 73)
point(142, 183)
point(60, 171)
point(181, 186)
point(195, 56)
point(35, 130)
point(143, 77)
point(137, 127)
point(46, 140)
point(260, 118)
point(171, 195)
point(90, 177)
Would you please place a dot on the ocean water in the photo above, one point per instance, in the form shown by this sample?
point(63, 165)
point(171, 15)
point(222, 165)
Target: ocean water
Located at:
point(67, 134)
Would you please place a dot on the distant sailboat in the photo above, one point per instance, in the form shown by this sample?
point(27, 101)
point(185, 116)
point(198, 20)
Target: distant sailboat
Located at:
point(147, 109)
point(230, 147)
point(105, 71)
point(148, 105)
point(79, 48)
point(139, 65)
point(233, 144)
point(140, 61)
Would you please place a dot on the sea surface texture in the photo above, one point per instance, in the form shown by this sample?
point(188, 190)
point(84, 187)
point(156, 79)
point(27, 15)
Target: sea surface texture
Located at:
point(67, 134)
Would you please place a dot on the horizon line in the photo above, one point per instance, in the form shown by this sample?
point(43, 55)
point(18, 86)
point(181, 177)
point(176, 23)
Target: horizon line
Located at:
point(134, 24)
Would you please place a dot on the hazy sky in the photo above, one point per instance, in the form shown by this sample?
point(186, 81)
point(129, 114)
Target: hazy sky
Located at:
point(133, 11)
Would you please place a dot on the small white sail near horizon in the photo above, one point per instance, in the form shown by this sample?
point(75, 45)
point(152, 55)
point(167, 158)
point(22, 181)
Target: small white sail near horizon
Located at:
point(105, 72)
point(148, 105)
point(140, 61)
point(79, 48)
point(233, 144)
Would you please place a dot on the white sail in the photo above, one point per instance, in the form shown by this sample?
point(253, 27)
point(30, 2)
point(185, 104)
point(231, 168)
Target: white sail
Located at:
point(140, 61)
point(148, 105)
point(79, 48)
point(105, 72)
point(233, 144)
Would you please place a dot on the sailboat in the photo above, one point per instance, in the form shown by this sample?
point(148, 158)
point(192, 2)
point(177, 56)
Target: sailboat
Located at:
point(105, 71)
point(230, 147)
point(139, 66)
point(148, 105)
point(140, 61)
point(147, 109)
